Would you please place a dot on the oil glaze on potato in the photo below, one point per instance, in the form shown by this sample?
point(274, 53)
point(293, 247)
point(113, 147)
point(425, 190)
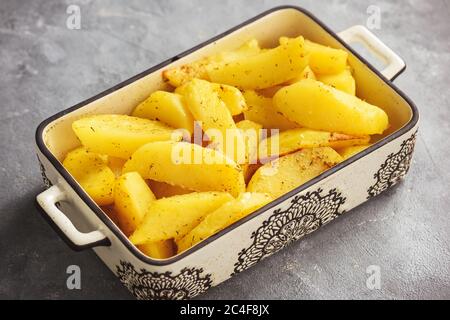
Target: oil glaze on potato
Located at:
point(174, 217)
point(266, 69)
point(224, 216)
point(187, 165)
point(166, 107)
point(165, 190)
point(315, 105)
point(120, 135)
point(290, 171)
point(91, 171)
point(132, 198)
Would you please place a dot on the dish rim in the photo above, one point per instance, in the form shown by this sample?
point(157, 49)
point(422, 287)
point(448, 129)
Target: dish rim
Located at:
point(164, 262)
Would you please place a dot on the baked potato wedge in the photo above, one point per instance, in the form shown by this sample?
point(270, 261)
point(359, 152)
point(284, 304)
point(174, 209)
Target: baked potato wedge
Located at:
point(295, 139)
point(160, 249)
point(322, 59)
point(180, 75)
point(91, 171)
point(290, 171)
point(315, 105)
point(120, 135)
point(350, 151)
point(216, 120)
point(187, 165)
point(261, 110)
point(174, 217)
point(343, 81)
point(227, 214)
point(263, 70)
point(167, 107)
point(132, 198)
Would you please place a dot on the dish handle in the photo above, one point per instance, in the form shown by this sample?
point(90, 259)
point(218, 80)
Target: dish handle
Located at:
point(47, 203)
point(358, 33)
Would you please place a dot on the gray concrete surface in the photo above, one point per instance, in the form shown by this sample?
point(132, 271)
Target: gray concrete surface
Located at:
point(45, 67)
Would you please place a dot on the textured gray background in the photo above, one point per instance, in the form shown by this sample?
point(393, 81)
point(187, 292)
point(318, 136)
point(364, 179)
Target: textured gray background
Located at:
point(44, 68)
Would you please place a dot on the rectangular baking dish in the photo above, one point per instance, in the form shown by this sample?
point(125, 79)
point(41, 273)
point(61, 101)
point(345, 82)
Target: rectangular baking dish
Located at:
point(82, 224)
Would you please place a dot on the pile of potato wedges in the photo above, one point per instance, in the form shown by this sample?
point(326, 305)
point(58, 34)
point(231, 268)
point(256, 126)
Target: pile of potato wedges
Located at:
point(238, 130)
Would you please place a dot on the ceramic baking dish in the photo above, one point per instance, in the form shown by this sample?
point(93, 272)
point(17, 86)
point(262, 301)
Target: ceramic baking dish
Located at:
point(82, 224)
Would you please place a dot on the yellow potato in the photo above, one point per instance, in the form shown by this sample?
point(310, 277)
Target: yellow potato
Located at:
point(217, 122)
point(322, 59)
point(307, 73)
point(166, 107)
point(164, 190)
point(232, 97)
point(120, 135)
point(343, 81)
point(180, 75)
point(252, 133)
point(261, 110)
point(325, 60)
point(116, 165)
point(132, 199)
point(288, 172)
point(315, 105)
point(91, 171)
point(292, 140)
point(174, 217)
point(266, 69)
point(347, 152)
point(249, 125)
point(187, 165)
point(224, 216)
point(159, 249)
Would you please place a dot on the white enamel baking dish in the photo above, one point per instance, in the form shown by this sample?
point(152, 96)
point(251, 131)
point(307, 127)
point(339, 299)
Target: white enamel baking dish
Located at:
point(82, 224)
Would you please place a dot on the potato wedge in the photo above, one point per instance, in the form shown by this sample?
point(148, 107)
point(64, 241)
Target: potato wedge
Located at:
point(322, 59)
point(132, 198)
point(350, 151)
point(166, 107)
point(295, 139)
point(174, 217)
point(187, 165)
point(91, 171)
point(216, 120)
point(307, 73)
point(120, 135)
point(160, 249)
point(343, 81)
point(261, 110)
point(224, 216)
point(266, 69)
point(232, 97)
point(164, 190)
point(315, 105)
point(180, 75)
point(288, 172)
